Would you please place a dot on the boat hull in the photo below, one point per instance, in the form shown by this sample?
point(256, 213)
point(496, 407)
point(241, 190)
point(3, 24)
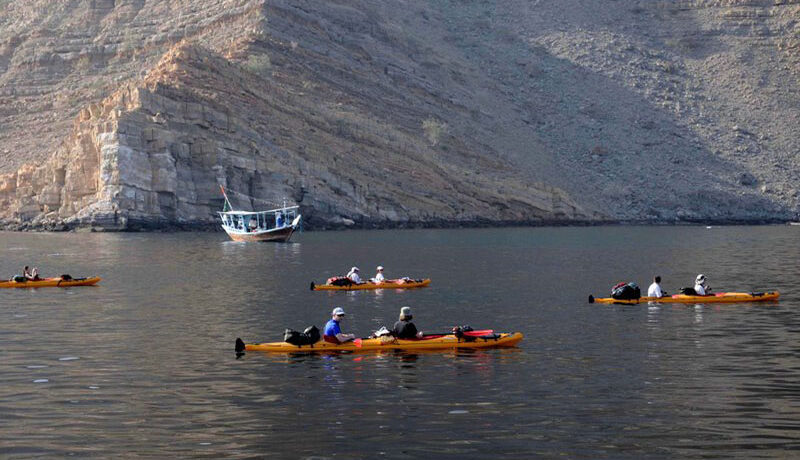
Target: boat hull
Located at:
point(722, 297)
point(367, 286)
point(446, 342)
point(281, 235)
point(51, 282)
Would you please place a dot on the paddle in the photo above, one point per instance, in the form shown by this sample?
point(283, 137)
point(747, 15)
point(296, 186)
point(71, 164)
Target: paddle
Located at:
point(477, 333)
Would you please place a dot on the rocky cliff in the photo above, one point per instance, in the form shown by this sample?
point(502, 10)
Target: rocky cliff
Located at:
point(128, 114)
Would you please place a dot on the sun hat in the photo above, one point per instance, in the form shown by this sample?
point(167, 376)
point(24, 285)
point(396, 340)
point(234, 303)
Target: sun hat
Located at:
point(380, 267)
point(700, 279)
point(338, 311)
point(405, 312)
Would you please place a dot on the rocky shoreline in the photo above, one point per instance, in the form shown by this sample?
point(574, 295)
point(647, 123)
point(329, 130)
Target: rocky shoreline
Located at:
point(171, 227)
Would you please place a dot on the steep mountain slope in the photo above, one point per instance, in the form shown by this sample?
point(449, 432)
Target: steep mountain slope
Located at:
point(126, 114)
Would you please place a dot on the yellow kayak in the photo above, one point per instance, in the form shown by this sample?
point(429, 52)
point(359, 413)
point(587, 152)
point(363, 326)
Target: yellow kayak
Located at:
point(438, 342)
point(50, 282)
point(721, 297)
point(388, 284)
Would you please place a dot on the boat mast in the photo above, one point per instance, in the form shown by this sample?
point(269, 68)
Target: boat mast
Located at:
point(227, 201)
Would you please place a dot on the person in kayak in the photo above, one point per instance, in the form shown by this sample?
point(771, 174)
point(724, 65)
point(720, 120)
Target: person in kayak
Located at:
point(701, 286)
point(35, 274)
point(353, 275)
point(333, 333)
point(655, 289)
point(26, 272)
point(379, 278)
point(404, 328)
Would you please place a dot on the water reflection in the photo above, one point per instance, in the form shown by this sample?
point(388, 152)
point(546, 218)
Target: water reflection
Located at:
point(155, 374)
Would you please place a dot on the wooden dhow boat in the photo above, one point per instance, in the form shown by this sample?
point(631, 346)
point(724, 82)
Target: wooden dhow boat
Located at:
point(272, 225)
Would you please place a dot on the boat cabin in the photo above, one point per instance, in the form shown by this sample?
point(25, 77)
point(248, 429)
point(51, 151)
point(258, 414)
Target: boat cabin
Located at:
point(258, 221)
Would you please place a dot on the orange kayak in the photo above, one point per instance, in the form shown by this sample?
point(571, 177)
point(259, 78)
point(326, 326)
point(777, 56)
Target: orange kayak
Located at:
point(50, 282)
point(388, 284)
point(441, 342)
point(722, 297)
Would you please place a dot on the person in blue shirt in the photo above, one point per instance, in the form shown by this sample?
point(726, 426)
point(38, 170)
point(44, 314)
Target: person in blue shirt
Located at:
point(333, 333)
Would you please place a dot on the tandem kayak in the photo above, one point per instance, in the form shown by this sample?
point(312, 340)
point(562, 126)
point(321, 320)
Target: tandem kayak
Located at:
point(50, 282)
point(388, 284)
point(435, 342)
point(721, 297)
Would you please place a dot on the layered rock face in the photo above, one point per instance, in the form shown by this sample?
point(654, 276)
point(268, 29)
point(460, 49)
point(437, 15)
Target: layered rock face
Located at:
point(155, 153)
point(386, 114)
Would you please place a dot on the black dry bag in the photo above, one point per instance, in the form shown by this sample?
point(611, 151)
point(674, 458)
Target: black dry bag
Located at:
point(307, 337)
point(626, 291)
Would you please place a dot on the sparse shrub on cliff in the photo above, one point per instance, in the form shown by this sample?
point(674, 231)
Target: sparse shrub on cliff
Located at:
point(433, 130)
point(83, 63)
point(258, 63)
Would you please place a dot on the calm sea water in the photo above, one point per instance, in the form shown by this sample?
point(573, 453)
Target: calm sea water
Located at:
point(143, 364)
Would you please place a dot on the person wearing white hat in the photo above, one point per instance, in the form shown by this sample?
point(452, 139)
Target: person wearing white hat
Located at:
point(404, 328)
point(333, 333)
point(353, 276)
point(701, 286)
point(379, 276)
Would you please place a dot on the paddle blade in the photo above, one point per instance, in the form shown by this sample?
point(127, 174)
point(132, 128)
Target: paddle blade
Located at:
point(479, 332)
point(357, 342)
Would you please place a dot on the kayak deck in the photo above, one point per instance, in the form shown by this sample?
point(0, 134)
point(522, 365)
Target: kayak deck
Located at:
point(442, 342)
point(388, 284)
point(51, 282)
point(721, 297)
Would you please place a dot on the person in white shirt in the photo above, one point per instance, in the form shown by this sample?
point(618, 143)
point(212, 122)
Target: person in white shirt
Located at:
point(701, 287)
point(353, 276)
point(655, 289)
point(379, 276)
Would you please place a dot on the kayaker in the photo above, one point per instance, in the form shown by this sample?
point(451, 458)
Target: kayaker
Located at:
point(353, 275)
point(379, 276)
point(26, 272)
point(404, 328)
point(701, 286)
point(333, 333)
point(35, 274)
point(655, 289)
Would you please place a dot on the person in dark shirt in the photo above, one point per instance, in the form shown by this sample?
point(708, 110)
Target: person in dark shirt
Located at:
point(404, 328)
